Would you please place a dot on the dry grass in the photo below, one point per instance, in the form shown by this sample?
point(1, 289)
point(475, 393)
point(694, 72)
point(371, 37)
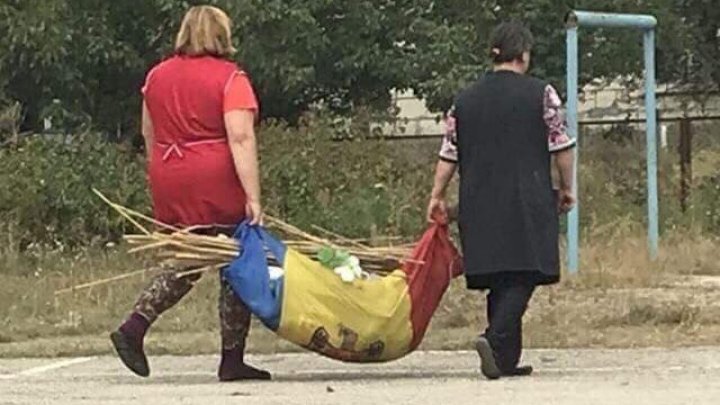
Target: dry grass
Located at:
point(620, 299)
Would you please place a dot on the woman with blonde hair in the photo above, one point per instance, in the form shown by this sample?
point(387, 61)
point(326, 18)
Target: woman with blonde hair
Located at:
point(198, 118)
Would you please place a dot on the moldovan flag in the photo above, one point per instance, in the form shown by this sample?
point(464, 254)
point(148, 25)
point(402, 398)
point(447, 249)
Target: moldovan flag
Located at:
point(375, 319)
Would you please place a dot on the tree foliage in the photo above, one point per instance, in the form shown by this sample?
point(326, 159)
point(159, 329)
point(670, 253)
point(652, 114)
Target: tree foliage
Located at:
point(91, 55)
point(702, 57)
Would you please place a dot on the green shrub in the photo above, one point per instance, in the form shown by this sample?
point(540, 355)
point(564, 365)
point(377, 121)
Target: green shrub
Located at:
point(358, 187)
point(45, 189)
point(352, 187)
point(706, 204)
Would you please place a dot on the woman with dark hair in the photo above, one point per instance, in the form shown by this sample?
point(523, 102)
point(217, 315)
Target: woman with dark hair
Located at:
point(503, 133)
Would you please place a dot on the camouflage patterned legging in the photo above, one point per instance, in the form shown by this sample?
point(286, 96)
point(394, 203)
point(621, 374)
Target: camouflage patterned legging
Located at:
point(166, 290)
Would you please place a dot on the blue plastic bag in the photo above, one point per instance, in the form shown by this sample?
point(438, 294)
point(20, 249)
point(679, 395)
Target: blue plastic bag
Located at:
point(249, 274)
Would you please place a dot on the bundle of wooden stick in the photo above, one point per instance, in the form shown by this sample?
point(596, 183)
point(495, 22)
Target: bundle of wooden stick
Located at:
point(197, 253)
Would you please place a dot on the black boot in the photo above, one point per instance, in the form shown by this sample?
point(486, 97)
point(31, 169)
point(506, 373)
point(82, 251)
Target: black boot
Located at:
point(522, 371)
point(488, 364)
point(131, 353)
point(233, 368)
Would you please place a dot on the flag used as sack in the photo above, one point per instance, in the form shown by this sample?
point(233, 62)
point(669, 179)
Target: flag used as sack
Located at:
point(373, 319)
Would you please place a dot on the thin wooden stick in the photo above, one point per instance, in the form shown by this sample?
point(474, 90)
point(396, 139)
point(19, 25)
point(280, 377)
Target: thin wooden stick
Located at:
point(129, 214)
point(199, 271)
point(181, 246)
point(368, 241)
point(340, 237)
point(120, 211)
point(149, 246)
point(297, 231)
point(190, 256)
point(103, 281)
point(199, 249)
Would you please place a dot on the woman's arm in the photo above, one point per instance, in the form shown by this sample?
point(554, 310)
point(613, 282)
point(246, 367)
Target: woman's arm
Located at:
point(561, 147)
point(444, 171)
point(565, 162)
point(240, 126)
point(147, 130)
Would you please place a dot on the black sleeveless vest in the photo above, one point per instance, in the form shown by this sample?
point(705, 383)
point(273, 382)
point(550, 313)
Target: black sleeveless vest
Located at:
point(508, 215)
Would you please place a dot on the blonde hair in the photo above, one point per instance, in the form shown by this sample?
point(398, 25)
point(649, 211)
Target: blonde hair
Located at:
point(205, 30)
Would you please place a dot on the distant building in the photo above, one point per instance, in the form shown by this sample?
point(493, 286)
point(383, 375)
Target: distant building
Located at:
point(598, 103)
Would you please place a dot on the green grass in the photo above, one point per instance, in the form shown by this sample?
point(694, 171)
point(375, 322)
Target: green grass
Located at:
point(620, 299)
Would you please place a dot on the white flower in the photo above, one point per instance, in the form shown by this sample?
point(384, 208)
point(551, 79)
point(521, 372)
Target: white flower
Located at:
point(350, 270)
point(346, 273)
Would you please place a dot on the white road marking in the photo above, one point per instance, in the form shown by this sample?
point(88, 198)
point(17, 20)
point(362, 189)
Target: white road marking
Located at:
point(48, 367)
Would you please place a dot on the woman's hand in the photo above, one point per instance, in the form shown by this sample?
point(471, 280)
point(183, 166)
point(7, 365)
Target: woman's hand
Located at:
point(566, 201)
point(437, 210)
point(254, 213)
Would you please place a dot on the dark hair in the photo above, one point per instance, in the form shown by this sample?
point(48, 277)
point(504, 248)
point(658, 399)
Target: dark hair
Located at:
point(509, 41)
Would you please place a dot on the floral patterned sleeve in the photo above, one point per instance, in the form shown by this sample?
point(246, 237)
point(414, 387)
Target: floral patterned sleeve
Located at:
point(558, 138)
point(448, 149)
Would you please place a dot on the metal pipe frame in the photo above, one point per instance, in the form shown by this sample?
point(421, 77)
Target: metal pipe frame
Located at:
point(647, 24)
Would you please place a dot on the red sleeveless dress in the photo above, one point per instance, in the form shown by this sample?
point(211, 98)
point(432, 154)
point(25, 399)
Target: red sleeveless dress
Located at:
point(192, 176)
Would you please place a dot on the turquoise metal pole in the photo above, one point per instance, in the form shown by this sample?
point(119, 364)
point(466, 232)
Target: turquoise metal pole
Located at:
point(613, 20)
point(573, 233)
point(651, 139)
point(647, 23)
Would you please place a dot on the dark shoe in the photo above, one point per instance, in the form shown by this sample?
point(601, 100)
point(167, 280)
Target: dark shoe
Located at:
point(130, 354)
point(243, 372)
point(522, 371)
point(488, 365)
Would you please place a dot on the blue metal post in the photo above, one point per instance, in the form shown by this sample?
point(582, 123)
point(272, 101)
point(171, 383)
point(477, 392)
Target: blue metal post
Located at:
point(646, 23)
point(651, 139)
point(612, 20)
point(573, 233)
